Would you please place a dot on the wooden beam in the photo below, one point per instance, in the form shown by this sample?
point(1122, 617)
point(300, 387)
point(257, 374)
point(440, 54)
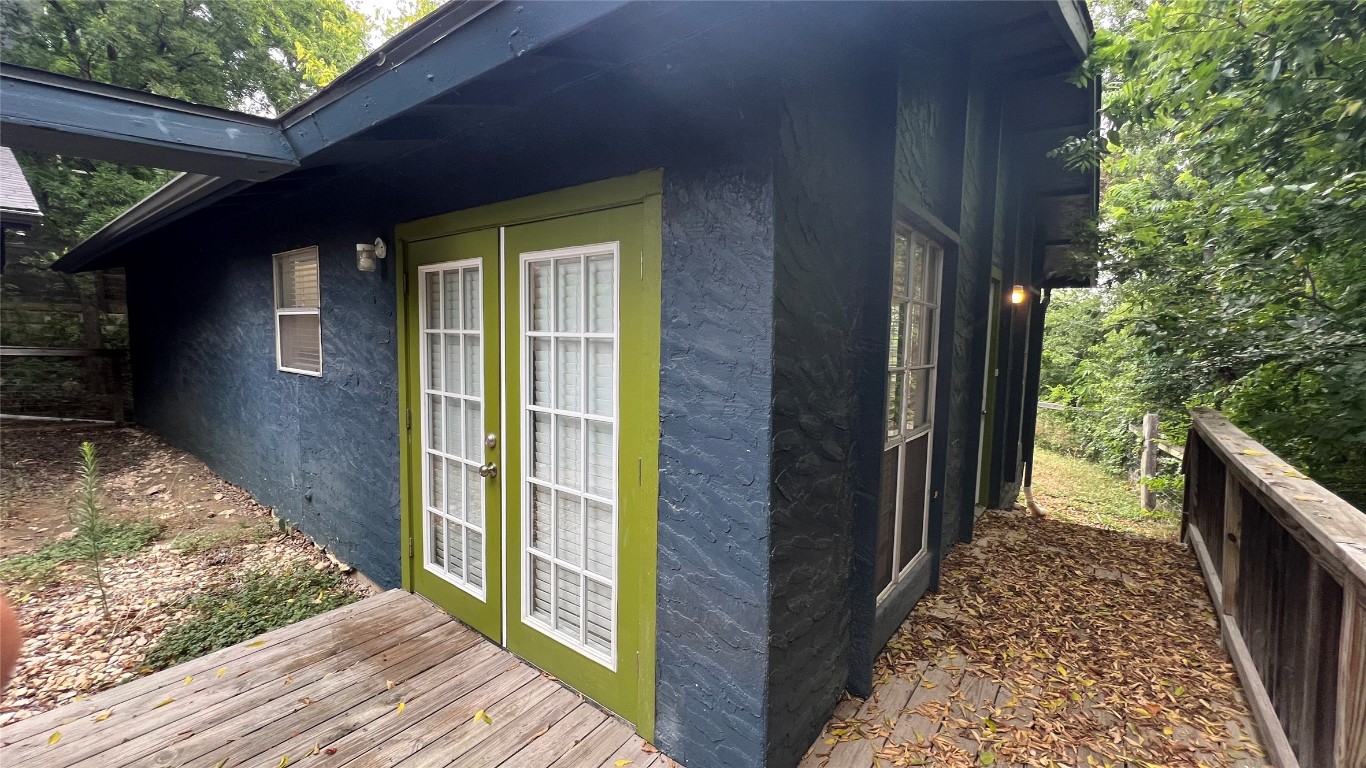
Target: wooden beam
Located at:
point(1233, 542)
point(46, 112)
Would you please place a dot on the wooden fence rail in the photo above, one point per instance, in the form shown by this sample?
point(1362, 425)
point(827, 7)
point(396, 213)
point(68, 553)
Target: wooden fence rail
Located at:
point(1285, 561)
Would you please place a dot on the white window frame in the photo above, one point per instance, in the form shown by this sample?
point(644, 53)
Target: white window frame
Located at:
point(609, 659)
point(933, 297)
point(275, 261)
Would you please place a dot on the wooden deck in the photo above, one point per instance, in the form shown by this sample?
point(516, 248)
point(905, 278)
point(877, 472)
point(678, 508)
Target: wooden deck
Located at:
point(390, 680)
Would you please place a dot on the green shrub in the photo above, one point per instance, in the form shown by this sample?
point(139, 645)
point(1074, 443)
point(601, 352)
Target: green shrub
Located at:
point(41, 568)
point(203, 541)
point(259, 602)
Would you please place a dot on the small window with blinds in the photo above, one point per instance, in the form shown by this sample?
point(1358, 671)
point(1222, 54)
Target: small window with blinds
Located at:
point(298, 328)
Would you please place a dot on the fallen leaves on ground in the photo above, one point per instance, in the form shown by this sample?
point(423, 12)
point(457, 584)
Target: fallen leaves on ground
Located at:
point(1061, 645)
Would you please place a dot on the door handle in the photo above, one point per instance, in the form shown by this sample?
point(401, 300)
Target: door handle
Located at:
point(489, 470)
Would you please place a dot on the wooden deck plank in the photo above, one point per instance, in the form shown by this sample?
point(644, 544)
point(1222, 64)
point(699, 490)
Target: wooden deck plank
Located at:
point(329, 698)
point(448, 735)
point(448, 679)
point(544, 748)
point(885, 704)
point(175, 700)
point(296, 717)
point(633, 750)
point(915, 727)
point(594, 748)
point(278, 638)
point(399, 734)
point(522, 728)
point(175, 739)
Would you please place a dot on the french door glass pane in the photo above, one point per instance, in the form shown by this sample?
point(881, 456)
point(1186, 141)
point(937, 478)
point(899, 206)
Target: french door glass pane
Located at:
point(894, 394)
point(901, 268)
point(917, 398)
point(897, 336)
point(570, 443)
point(886, 520)
point(452, 378)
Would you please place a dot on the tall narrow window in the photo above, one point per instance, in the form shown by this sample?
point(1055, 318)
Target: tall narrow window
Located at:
point(911, 365)
point(298, 329)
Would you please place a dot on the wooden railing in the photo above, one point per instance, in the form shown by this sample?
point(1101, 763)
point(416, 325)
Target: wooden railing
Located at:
point(1285, 561)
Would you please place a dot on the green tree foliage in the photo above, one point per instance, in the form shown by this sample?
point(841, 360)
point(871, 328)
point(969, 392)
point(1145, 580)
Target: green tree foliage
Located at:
point(259, 55)
point(1234, 225)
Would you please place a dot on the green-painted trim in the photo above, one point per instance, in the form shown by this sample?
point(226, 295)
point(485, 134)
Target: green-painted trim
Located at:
point(405, 458)
point(595, 196)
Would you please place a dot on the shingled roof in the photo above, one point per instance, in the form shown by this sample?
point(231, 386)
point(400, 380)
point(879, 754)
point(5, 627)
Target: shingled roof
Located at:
point(18, 207)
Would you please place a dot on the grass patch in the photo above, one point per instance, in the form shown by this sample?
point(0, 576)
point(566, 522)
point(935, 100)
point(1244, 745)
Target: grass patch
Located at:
point(41, 568)
point(202, 541)
point(1080, 491)
point(259, 602)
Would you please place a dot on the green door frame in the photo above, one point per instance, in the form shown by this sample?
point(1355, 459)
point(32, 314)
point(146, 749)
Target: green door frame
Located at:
point(638, 375)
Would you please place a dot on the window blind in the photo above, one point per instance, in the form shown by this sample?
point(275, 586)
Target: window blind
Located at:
point(298, 327)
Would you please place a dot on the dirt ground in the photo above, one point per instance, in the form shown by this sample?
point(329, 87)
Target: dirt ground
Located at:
point(211, 534)
point(142, 477)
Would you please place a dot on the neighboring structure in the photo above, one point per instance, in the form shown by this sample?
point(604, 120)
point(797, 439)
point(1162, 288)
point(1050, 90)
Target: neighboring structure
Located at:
point(693, 351)
point(19, 209)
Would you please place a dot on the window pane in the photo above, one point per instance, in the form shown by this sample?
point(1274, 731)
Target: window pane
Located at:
point(598, 617)
point(917, 398)
point(601, 472)
point(886, 521)
point(300, 347)
point(474, 431)
point(568, 440)
point(540, 593)
point(540, 446)
point(913, 498)
point(453, 427)
point(918, 268)
point(471, 299)
point(927, 337)
point(540, 518)
point(600, 295)
point(568, 530)
point(569, 378)
point(567, 601)
point(915, 334)
point(474, 496)
point(451, 354)
point(897, 336)
point(600, 377)
point(934, 257)
point(900, 267)
point(601, 546)
point(298, 279)
point(434, 422)
point(894, 385)
point(433, 298)
point(474, 384)
point(540, 372)
point(436, 531)
point(540, 295)
point(569, 294)
point(455, 550)
point(433, 342)
point(455, 473)
point(474, 558)
point(436, 485)
point(451, 302)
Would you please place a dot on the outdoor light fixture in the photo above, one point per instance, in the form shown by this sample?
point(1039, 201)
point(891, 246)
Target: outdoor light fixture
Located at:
point(1017, 294)
point(367, 254)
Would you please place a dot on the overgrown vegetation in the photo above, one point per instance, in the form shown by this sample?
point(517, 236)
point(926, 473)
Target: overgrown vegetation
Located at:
point(197, 542)
point(1079, 491)
point(1233, 232)
point(259, 602)
point(43, 567)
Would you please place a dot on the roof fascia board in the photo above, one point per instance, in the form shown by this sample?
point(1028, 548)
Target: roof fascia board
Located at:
point(1074, 24)
point(499, 34)
point(46, 112)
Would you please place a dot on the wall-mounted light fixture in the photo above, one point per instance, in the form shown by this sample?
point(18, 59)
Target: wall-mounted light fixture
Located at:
point(1017, 294)
point(368, 254)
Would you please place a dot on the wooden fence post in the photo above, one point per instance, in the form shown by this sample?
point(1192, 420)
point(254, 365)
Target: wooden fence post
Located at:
point(1349, 748)
point(1233, 542)
point(1148, 463)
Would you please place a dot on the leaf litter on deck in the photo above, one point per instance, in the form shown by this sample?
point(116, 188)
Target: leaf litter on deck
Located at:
point(1101, 647)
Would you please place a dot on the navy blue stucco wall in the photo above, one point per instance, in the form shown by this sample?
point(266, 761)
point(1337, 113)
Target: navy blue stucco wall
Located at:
point(715, 392)
point(203, 337)
point(832, 271)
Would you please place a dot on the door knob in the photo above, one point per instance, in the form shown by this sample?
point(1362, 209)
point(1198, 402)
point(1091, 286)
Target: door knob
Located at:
point(488, 470)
